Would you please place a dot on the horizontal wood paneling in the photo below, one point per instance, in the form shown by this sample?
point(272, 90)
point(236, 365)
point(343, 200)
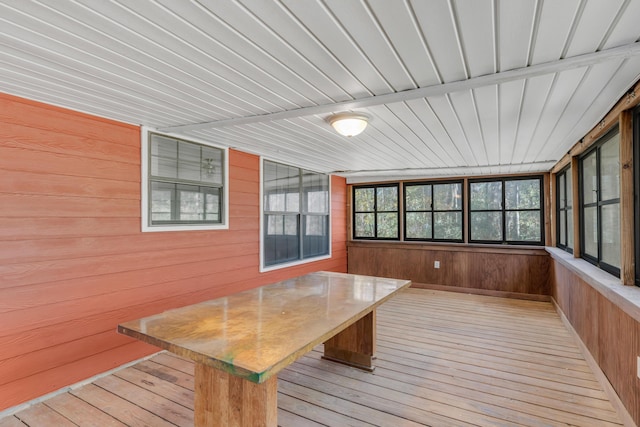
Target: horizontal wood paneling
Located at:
point(74, 262)
point(611, 336)
point(490, 269)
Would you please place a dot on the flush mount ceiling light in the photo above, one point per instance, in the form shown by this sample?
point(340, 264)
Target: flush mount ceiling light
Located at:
point(348, 124)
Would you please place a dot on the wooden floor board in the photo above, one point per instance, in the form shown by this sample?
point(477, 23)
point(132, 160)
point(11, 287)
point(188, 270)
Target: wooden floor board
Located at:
point(443, 359)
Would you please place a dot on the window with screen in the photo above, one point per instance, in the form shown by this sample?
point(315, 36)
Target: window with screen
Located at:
point(295, 214)
point(185, 183)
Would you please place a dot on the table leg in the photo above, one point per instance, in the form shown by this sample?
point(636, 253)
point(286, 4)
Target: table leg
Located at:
point(356, 345)
point(222, 399)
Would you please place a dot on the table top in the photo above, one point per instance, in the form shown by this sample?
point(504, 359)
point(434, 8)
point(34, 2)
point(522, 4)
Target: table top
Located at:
point(256, 333)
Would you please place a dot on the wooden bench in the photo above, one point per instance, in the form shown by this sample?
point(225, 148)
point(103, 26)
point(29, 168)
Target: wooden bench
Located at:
point(240, 342)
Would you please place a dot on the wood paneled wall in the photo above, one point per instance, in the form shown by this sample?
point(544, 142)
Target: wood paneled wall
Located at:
point(610, 334)
point(74, 263)
point(484, 269)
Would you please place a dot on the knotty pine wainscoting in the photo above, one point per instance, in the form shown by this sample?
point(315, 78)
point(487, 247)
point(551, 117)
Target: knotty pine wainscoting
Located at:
point(489, 270)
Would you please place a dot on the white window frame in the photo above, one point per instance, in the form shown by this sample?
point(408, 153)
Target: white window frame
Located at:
point(145, 136)
point(264, 269)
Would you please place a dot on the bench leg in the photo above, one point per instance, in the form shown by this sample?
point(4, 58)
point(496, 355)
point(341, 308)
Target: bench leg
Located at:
point(354, 346)
point(222, 399)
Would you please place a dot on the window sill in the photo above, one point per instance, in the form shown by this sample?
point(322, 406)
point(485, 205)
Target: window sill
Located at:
point(450, 246)
point(265, 269)
point(625, 297)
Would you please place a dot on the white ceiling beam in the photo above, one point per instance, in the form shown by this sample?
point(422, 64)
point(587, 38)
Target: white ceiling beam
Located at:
point(588, 59)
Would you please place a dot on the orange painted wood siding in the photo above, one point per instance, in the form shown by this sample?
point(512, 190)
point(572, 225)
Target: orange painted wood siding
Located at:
point(74, 263)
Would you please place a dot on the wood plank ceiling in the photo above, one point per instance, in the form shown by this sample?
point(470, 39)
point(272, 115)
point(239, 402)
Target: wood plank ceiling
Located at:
point(453, 87)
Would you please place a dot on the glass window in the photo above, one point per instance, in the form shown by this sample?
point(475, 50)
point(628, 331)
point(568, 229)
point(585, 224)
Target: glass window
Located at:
point(564, 210)
point(185, 183)
point(506, 211)
point(433, 211)
point(375, 212)
point(600, 204)
point(296, 214)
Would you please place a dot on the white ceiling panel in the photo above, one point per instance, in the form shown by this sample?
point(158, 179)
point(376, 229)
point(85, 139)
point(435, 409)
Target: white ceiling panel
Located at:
point(514, 30)
point(452, 87)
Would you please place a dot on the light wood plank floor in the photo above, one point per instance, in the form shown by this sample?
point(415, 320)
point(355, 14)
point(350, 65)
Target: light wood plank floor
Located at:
point(444, 359)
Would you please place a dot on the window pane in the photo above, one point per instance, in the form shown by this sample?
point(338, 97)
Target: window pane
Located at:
point(418, 225)
point(486, 226)
point(162, 197)
point(591, 231)
point(610, 169)
point(523, 226)
point(569, 188)
point(589, 179)
point(562, 223)
point(315, 188)
point(365, 225)
point(212, 205)
point(284, 181)
point(315, 236)
point(387, 225)
point(418, 197)
point(164, 157)
point(522, 194)
point(191, 203)
point(317, 201)
point(562, 196)
point(448, 225)
point(570, 228)
point(281, 242)
point(447, 197)
point(211, 165)
point(364, 199)
point(611, 234)
point(387, 199)
point(485, 195)
point(189, 171)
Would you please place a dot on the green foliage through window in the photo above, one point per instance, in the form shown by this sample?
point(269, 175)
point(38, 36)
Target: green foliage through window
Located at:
point(433, 211)
point(375, 212)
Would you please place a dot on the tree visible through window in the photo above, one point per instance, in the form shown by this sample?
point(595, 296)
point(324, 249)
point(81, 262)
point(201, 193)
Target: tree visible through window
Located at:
point(506, 211)
point(376, 212)
point(433, 211)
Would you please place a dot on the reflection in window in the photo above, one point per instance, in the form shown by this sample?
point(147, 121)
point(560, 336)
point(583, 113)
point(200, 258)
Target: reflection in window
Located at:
point(185, 182)
point(564, 212)
point(600, 203)
point(296, 214)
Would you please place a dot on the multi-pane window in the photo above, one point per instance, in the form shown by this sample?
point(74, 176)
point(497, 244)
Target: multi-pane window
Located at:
point(296, 214)
point(506, 211)
point(433, 211)
point(185, 183)
point(564, 213)
point(600, 203)
point(375, 212)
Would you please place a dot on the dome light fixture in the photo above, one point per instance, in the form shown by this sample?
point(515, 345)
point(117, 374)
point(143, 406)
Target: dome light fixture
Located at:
point(348, 124)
